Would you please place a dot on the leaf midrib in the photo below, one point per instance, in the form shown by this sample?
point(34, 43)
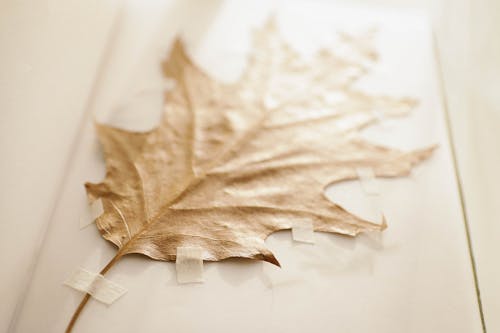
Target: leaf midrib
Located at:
point(197, 179)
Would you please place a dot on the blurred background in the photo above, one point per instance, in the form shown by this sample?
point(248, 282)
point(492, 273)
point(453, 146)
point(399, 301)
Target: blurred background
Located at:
point(55, 45)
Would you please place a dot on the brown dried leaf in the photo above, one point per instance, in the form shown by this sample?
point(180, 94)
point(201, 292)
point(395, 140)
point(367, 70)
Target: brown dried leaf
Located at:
point(230, 164)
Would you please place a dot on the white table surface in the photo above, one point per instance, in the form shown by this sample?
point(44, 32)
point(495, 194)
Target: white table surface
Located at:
point(42, 58)
point(49, 57)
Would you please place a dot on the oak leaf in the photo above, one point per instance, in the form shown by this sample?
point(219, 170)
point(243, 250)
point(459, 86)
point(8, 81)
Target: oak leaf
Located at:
point(229, 164)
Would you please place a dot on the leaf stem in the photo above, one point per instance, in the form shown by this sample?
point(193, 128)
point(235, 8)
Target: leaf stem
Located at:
point(85, 299)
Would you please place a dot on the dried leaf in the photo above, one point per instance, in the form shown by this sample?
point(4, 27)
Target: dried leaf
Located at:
point(230, 164)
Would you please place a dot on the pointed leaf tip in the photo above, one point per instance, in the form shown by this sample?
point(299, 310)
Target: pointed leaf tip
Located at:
point(422, 154)
point(174, 65)
point(383, 225)
point(270, 258)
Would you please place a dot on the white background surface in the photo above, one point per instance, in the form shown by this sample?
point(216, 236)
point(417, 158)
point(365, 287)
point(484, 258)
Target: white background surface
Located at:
point(47, 49)
point(49, 57)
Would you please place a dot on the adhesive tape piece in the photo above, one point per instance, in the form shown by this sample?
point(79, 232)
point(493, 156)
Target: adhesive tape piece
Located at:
point(89, 216)
point(96, 285)
point(189, 264)
point(368, 180)
point(303, 232)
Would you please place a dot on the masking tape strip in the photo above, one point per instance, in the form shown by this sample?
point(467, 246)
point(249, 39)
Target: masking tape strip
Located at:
point(303, 232)
point(96, 285)
point(189, 264)
point(368, 180)
point(89, 215)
